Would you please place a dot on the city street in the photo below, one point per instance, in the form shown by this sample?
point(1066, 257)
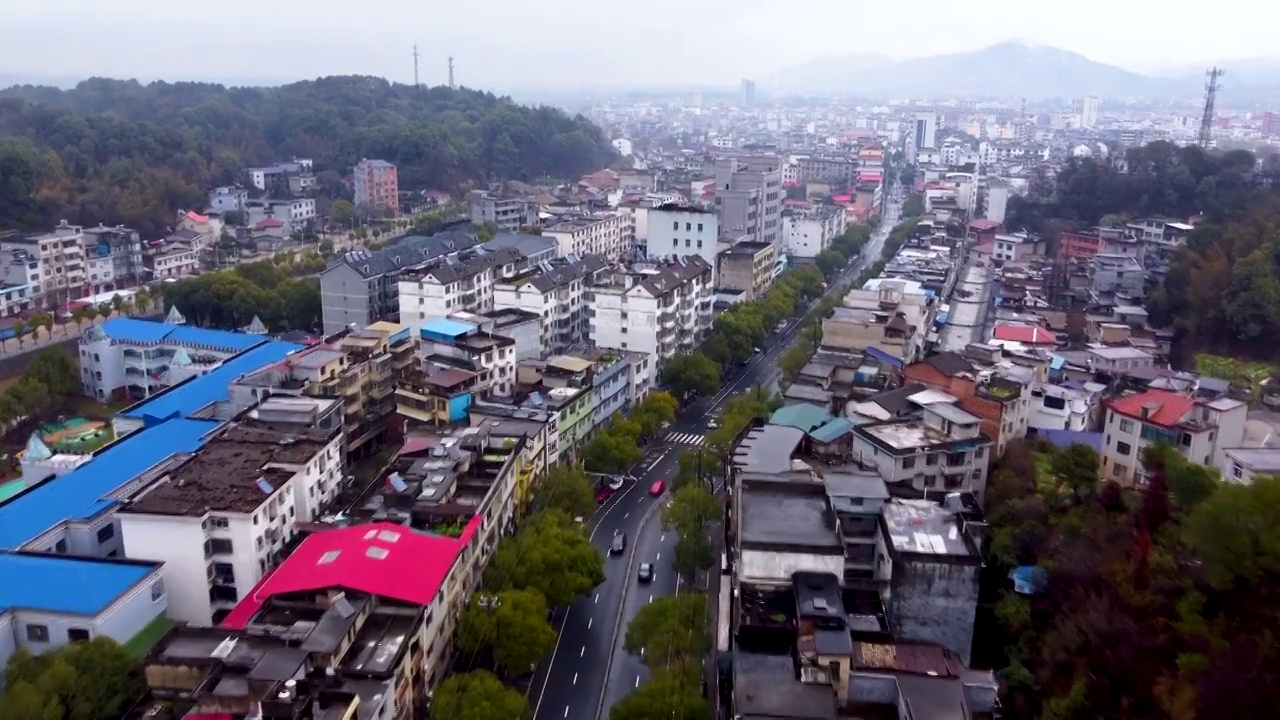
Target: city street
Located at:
point(590, 670)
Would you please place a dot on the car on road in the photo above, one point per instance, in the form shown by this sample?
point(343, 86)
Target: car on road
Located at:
point(645, 574)
point(756, 350)
point(658, 487)
point(615, 482)
point(782, 325)
point(619, 543)
point(713, 423)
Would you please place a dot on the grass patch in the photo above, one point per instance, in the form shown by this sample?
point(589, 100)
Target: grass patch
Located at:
point(139, 645)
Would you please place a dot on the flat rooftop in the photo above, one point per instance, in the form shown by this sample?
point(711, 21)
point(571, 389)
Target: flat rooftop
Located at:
point(786, 518)
point(913, 435)
point(766, 686)
point(922, 527)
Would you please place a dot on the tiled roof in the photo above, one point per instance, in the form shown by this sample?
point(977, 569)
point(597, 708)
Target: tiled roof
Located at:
point(414, 250)
point(1028, 334)
point(381, 559)
point(1163, 408)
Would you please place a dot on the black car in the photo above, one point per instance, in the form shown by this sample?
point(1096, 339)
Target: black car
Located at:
point(646, 572)
point(619, 544)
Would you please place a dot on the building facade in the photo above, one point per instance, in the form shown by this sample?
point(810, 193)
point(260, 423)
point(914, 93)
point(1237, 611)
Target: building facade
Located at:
point(377, 187)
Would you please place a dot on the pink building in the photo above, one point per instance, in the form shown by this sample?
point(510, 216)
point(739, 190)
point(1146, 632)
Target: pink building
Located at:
point(377, 187)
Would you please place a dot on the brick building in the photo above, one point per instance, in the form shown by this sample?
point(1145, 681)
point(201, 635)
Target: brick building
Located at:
point(1001, 403)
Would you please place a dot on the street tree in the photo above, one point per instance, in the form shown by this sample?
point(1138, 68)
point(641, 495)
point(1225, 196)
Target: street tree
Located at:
point(656, 408)
point(569, 490)
point(693, 507)
point(613, 449)
point(78, 316)
point(342, 212)
point(670, 693)
point(691, 463)
point(80, 681)
point(550, 554)
point(830, 262)
point(511, 628)
point(669, 631)
point(691, 375)
point(477, 696)
point(691, 554)
point(794, 360)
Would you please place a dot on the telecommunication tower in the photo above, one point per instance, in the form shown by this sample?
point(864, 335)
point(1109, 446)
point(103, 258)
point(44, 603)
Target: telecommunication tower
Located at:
point(1211, 89)
point(451, 85)
point(415, 66)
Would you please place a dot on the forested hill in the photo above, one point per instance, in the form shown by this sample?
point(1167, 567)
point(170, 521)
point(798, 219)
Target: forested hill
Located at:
point(121, 152)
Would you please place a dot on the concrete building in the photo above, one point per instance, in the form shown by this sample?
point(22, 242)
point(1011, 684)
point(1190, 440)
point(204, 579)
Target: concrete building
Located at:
point(1199, 430)
point(1086, 110)
point(453, 344)
point(509, 214)
point(524, 327)
point(943, 449)
point(293, 214)
point(747, 268)
point(22, 286)
point(608, 234)
point(60, 253)
point(363, 287)
point(228, 198)
point(676, 230)
point(276, 176)
point(454, 283)
point(222, 519)
point(890, 318)
point(924, 131)
point(1017, 247)
point(556, 292)
point(1054, 407)
point(749, 197)
point(115, 259)
point(656, 309)
point(1115, 275)
point(748, 93)
point(377, 187)
point(1002, 403)
point(809, 232)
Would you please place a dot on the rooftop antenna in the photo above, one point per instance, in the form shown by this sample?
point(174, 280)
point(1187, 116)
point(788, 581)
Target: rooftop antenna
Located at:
point(1211, 89)
point(416, 84)
point(452, 86)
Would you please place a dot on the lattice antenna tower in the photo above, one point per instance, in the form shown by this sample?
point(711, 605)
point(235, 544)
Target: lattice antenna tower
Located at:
point(416, 84)
point(1211, 89)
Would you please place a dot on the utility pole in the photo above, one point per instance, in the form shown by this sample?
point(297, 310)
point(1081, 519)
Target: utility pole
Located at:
point(416, 84)
point(1211, 89)
point(452, 86)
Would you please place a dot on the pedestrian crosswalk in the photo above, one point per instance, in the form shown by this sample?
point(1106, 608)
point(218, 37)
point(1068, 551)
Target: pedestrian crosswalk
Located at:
point(684, 438)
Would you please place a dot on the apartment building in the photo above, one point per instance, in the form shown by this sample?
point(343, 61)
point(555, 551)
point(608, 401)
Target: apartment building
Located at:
point(675, 230)
point(377, 187)
point(889, 319)
point(1002, 403)
point(556, 292)
point(943, 449)
point(837, 171)
point(749, 196)
point(509, 214)
point(60, 253)
point(20, 284)
point(221, 519)
point(747, 268)
point(608, 234)
point(362, 287)
point(446, 344)
point(228, 198)
point(1200, 430)
point(657, 309)
point(275, 177)
point(293, 214)
point(809, 232)
point(115, 257)
point(175, 260)
point(462, 282)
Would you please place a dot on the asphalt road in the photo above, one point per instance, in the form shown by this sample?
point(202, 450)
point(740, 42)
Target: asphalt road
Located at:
point(589, 670)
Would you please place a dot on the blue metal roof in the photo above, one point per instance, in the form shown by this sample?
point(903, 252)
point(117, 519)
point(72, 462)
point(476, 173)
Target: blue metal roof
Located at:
point(832, 430)
point(185, 398)
point(57, 583)
point(447, 328)
point(147, 331)
point(80, 494)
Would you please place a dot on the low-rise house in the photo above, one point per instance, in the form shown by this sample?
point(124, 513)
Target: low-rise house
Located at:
point(1199, 430)
point(943, 449)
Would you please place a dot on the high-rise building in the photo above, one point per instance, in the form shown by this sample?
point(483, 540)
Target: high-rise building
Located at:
point(1086, 110)
point(749, 197)
point(1270, 124)
point(377, 188)
point(926, 130)
point(748, 93)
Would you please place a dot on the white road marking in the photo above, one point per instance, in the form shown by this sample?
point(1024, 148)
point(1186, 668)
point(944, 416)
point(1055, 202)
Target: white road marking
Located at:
point(627, 515)
point(659, 557)
point(589, 621)
point(637, 681)
point(650, 598)
point(663, 538)
point(566, 711)
point(597, 597)
point(575, 678)
point(583, 651)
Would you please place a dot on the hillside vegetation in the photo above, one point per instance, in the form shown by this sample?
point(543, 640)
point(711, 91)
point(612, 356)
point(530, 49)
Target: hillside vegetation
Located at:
point(121, 152)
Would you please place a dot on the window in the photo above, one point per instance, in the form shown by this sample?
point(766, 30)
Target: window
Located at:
point(1124, 448)
point(157, 590)
point(699, 244)
point(1126, 425)
point(686, 242)
point(1119, 470)
point(908, 463)
point(77, 635)
point(699, 227)
point(930, 459)
point(38, 633)
point(60, 547)
point(106, 533)
point(675, 225)
point(675, 243)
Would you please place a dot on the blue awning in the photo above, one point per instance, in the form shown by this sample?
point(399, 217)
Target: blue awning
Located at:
point(884, 357)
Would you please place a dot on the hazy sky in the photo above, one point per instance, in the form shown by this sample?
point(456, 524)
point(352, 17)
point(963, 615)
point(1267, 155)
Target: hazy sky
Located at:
point(512, 44)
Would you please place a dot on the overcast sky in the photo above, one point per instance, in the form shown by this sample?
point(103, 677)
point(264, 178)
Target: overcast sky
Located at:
point(514, 44)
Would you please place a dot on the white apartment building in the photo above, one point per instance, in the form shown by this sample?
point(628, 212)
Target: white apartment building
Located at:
point(1200, 430)
point(446, 343)
point(676, 230)
point(60, 254)
point(453, 284)
point(807, 233)
point(21, 288)
point(609, 234)
point(556, 291)
point(658, 309)
point(178, 260)
point(943, 450)
point(220, 520)
point(1054, 407)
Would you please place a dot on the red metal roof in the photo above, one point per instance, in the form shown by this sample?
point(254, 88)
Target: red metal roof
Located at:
point(404, 565)
point(194, 216)
point(983, 224)
point(1029, 334)
point(1164, 408)
point(842, 199)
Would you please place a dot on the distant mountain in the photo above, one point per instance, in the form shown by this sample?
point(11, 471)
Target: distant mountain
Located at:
point(1004, 70)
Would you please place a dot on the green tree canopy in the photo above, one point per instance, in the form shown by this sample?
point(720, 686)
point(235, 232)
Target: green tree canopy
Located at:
point(673, 630)
point(670, 693)
point(550, 554)
point(614, 448)
point(569, 490)
point(477, 696)
point(691, 375)
point(510, 627)
point(830, 262)
point(93, 680)
point(655, 409)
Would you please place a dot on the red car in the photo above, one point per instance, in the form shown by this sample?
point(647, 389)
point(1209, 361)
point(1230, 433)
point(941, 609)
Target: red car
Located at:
point(657, 488)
